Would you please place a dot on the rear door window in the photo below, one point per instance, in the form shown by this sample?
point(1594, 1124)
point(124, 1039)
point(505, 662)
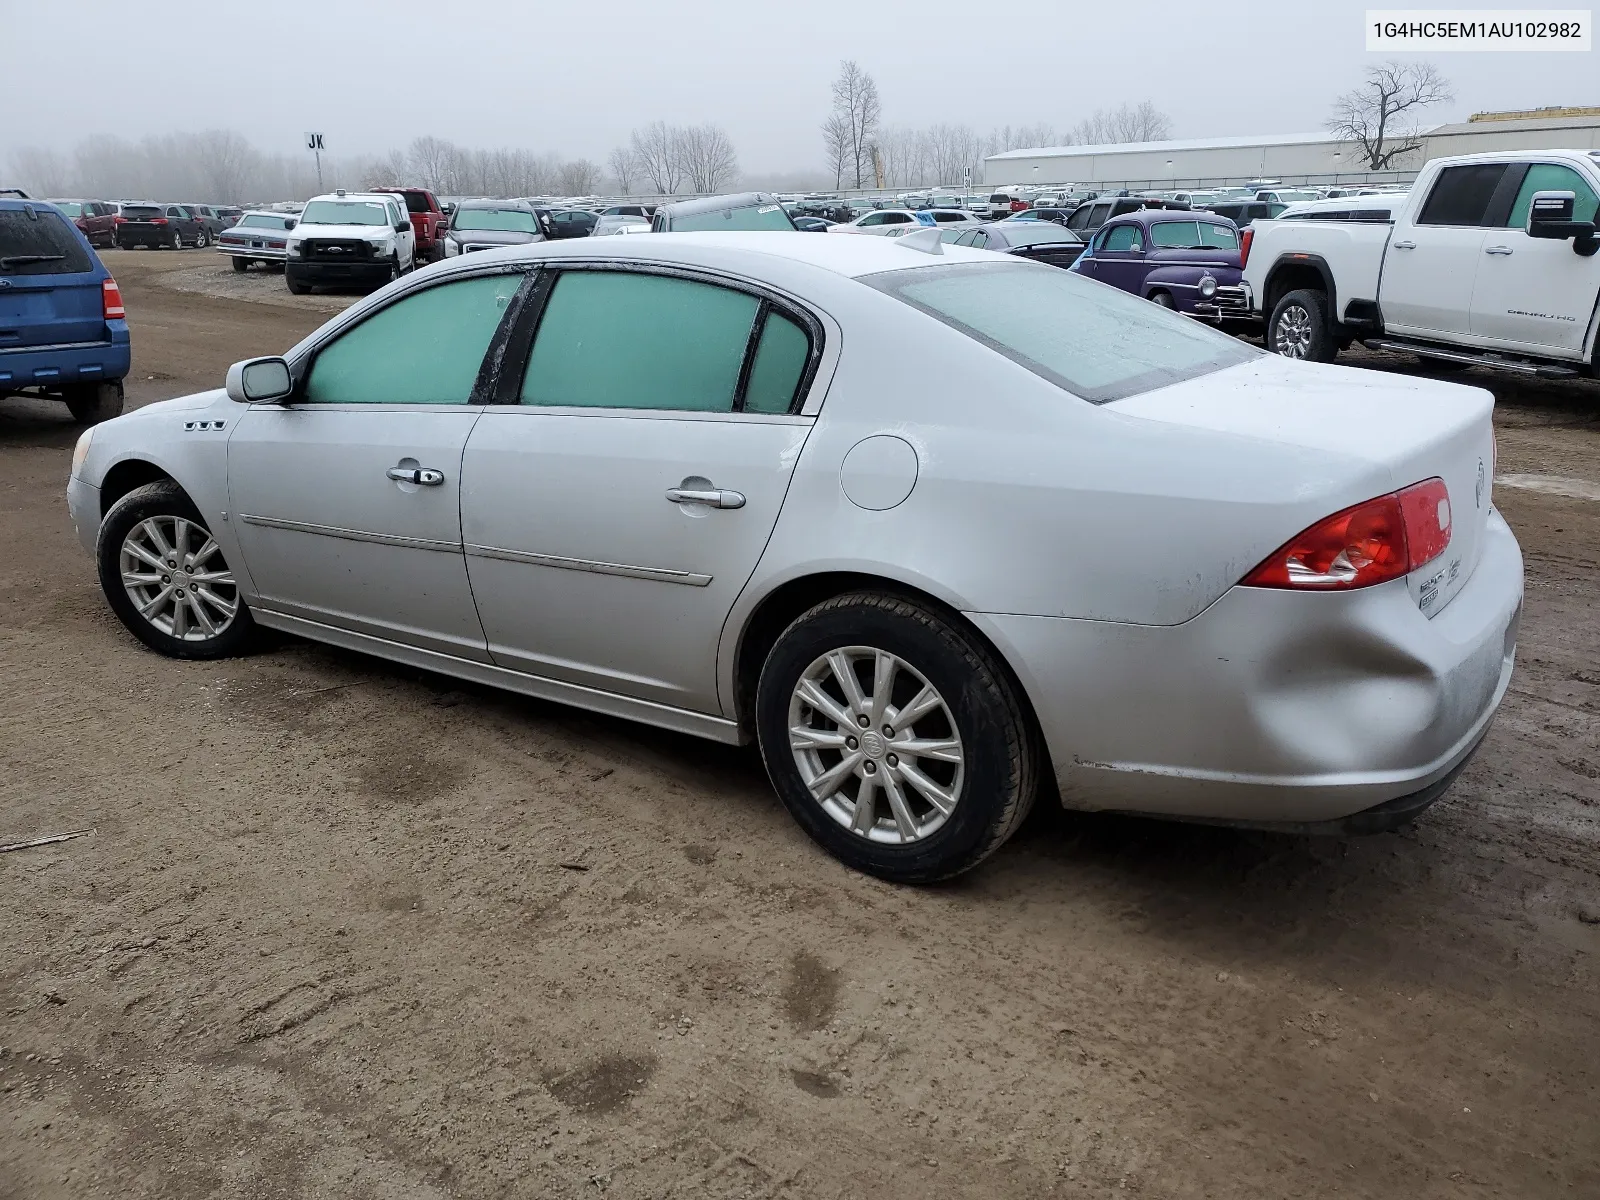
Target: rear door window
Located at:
point(620, 339)
point(38, 241)
point(1176, 235)
point(1461, 195)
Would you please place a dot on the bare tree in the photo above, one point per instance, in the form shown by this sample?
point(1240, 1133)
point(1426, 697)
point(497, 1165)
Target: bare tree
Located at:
point(836, 143)
point(1380, 115)
point(623, 168)
point(578, 177)
point(434, 163)
point(1142, 122)
point(225, 161)
point(707, 156)
point(41, 171)
point(856, 103)
point(655, 150)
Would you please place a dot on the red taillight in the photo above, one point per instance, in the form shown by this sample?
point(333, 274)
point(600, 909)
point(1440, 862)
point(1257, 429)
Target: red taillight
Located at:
point(1245, 238)
point(1376, 541)
point(119, 220)
point(158, 220)
point(111, 301)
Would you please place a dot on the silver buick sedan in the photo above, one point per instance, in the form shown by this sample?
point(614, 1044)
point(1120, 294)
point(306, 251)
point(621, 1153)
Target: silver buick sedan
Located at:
point(939, 529)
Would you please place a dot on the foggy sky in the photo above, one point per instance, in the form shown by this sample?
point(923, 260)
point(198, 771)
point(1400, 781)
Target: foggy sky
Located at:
point(576, 77)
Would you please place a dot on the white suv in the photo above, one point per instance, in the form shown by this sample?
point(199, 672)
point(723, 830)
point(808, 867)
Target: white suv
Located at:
point(360, 238)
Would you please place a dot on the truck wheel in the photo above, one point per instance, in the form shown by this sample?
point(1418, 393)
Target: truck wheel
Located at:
point(1299, 327)
point(241, 264)
point(296, 288)
point(91, 403)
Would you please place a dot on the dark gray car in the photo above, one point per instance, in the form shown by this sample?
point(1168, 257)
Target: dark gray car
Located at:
point(747, 210)
point(490, 224)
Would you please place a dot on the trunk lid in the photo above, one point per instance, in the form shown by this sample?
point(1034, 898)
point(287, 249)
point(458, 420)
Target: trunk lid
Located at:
point(1415, 429)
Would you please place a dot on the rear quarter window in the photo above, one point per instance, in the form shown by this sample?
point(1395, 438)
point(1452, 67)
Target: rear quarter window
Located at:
point(39, 241)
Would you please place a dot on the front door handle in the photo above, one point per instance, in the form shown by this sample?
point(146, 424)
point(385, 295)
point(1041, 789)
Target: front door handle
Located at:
point(715, 497)
point(1405, 245)
point(426, 476)
point(1498, 250)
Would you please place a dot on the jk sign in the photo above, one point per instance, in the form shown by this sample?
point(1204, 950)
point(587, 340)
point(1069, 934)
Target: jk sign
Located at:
point(314, 142)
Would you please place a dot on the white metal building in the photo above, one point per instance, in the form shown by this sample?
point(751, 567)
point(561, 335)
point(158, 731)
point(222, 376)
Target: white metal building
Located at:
point(1290, 157)
point(1272, 156)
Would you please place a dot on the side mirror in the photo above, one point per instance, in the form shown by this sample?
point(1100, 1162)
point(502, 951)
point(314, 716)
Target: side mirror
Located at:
point(1550, 217)
point(290, 223)
point(401, 226)
point(259, 381)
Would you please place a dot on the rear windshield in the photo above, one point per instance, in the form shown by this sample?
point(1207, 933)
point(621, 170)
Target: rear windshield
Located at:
point(141, 212)
point(1097, 342)
point(513, 220)
point(38, 241)
point(765, 216)
point(415, 202)
point(1031, 233)
point(71, 207)
point(264, 221)
point(345, 212)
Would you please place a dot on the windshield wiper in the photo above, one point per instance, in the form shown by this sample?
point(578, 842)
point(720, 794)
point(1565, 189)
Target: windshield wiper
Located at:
point(15, 260)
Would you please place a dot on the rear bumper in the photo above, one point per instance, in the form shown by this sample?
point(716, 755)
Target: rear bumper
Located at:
point(74, 362)
point(1271, 708)
point(259, 253)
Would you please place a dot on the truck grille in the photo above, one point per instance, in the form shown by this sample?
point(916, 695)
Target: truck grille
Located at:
point(337, 249)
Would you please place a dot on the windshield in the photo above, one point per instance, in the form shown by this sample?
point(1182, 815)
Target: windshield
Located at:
point(263, 221)
point(140, 212)
point(345, 212)
point(766, 216)
point(1097, 342)
point(1193, 235)
point(510, 220)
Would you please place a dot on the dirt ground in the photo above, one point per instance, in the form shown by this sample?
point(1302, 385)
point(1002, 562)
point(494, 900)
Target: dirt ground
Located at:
point(347, 930)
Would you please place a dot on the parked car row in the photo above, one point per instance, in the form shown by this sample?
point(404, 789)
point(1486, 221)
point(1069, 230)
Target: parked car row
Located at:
point(130, 224)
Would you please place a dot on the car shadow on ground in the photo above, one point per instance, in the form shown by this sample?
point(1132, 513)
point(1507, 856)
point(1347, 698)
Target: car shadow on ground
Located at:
point(29, 421)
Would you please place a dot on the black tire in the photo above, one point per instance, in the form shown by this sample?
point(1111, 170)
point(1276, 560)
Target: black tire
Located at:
point(175, 242)
point(241, 264)
point(999, 772)
point(91, 403)
point(296, 288)
point(1300, 328)
point(157, 500)
point(394, 268)
point(202, 239)
point(1163, 299)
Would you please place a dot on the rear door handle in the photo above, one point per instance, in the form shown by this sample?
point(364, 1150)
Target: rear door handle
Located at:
point(1498, 250)
point(715, 497)
point(426, 476)
point(1405, 245)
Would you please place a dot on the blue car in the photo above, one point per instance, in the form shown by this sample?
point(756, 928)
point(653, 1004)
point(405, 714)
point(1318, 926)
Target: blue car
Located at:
point(63, 330)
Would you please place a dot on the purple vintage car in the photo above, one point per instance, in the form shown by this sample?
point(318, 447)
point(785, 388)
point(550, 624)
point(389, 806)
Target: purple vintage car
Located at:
point(1188, 261)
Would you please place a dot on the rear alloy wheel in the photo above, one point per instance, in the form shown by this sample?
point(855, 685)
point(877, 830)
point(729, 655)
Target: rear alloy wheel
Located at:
point(1299, 328)
point(202, 239)
point(894, 739)
point(166, 579)
point(241, 264)
point(91, 403)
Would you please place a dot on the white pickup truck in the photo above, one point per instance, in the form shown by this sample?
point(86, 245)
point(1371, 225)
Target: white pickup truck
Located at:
point(1488, 261)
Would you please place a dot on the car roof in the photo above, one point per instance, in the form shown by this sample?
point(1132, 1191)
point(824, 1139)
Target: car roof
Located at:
point(1343, 203)
point(521, 205)
point(688, 208)
point(851, 257)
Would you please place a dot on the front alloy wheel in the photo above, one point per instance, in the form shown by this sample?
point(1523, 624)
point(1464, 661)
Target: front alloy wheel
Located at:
point(166, 577)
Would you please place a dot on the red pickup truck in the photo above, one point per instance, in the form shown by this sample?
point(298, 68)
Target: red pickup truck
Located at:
point(427, 219)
